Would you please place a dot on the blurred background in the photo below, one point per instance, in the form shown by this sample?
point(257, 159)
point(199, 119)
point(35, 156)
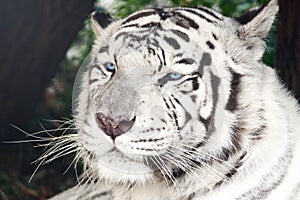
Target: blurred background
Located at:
point(42, 44)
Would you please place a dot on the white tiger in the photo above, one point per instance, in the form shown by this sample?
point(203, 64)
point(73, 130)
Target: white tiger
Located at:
point(176, 103)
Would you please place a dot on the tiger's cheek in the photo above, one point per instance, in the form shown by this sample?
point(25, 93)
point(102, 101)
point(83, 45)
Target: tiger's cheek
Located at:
point(151, 113)
point(194, 96)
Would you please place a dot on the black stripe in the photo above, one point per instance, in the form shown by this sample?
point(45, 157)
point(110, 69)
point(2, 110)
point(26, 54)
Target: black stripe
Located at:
point(188, 116)
point(209, 122)
point(235, 139)
point(175, 118)
point(205, 122)
point(194, 98)
point(225, 153)
point(205, 61)
point(270, 181)
point(232, 103)
point(96, 196)
point(103, 49)
point(209, 12)
point(168, 107)
point(151, 24)
point(172, 42)
point(195, 85)
point(152, 42)
point(258, 134)
point(187, 61)
point(151, 51)
point(120, 34)
point(181, 34)
point(190, 21)
point(191, 196)
point(215, 83)
point(199, 15)
point(133, 37)
point(235, 136)
point(210, 45)
point(139, 15)
point(173, 105)
point(159, 67)
point(178, 55)
point(200, 144)
point(214, 36)
point(97, 67)
point(163, 55)
point(232, 171)
point(91, 81)
point(160, 63)
point(130, 25)
point(177, 101)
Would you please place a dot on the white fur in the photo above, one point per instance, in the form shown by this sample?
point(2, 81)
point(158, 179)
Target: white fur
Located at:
point(262, 102)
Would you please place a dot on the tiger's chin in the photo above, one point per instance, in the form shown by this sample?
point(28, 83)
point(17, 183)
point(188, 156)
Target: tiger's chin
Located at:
point(114, 167)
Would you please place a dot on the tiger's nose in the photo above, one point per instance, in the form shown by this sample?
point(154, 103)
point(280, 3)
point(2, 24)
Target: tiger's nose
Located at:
point(112, 127)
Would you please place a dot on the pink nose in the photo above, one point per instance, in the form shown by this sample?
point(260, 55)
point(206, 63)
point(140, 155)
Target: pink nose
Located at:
point(112, 127)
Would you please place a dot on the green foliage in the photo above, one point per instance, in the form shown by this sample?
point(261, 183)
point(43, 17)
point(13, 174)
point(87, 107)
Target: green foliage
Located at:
point(269, 56)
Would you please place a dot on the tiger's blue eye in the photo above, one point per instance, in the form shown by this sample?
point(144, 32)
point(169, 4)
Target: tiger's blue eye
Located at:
point(110, 67)
point(175, 75)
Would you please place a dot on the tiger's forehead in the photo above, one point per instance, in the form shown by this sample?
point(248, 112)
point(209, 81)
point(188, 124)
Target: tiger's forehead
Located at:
point(170, 41)
point(168, 62)
point(156, 48)
point(185, 23)
point(171, 37)
point(185, 17)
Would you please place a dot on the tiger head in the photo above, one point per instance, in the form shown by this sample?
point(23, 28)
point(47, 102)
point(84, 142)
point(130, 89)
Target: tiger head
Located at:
point(159, 93)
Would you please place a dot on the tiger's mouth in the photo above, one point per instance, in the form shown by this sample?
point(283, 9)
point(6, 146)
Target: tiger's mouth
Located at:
point(132, 157)
point(126, 157)
point(117, 166)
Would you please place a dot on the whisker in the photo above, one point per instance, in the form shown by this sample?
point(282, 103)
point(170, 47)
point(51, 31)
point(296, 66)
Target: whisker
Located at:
point(190, 157)
point(169, 174)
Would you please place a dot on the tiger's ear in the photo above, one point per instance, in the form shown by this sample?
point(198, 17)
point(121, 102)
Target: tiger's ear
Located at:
point(258, 22)
point(99, 21)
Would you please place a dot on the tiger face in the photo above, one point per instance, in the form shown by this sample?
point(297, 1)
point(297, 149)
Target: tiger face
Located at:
point(153, 101)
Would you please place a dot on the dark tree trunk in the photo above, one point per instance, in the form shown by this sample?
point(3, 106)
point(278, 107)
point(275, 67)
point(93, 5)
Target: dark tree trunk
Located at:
point(34, 37)
point(288, 44)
